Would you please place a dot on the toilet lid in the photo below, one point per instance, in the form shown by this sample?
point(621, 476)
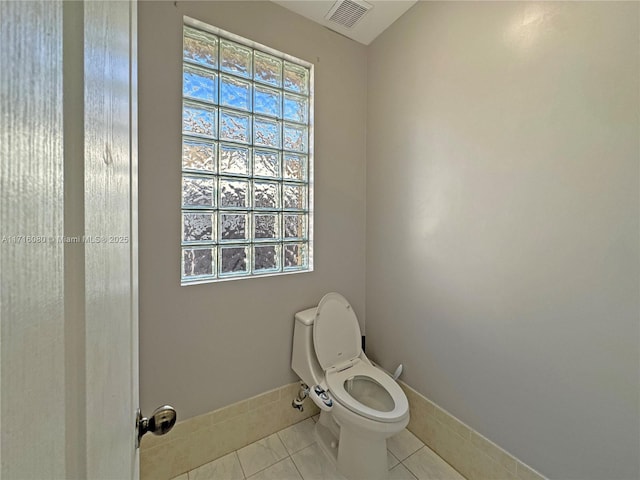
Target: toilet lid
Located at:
point(336, 333)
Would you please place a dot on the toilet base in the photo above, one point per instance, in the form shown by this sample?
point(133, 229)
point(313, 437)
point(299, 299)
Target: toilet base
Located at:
point(358, 453)
point(327, 441)
point(361, 456)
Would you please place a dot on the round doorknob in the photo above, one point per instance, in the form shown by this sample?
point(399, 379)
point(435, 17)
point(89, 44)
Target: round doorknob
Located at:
point(162, 420)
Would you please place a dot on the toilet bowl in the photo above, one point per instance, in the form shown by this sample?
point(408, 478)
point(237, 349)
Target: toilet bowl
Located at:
point(361, 404)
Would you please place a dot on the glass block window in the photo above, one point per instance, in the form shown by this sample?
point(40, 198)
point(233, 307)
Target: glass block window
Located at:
point(246, 158)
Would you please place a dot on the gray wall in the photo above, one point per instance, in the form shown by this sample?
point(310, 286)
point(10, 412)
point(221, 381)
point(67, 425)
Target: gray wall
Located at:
point(205, 346)
point(503, 220)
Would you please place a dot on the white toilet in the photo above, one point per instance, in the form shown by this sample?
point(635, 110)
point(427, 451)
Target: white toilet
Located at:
point(361, 404)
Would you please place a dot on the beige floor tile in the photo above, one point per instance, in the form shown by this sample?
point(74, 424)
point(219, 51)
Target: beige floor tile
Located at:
point(227, 467)
point(283, 470)
point(181, 477)
point(400, 472)
point(313, 464)
point(261, 454)
point(404, 444)
point(316, 417)
point(426, 465)
point(298, 436)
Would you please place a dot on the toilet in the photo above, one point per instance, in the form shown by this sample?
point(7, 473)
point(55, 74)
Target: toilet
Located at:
point(361, 405)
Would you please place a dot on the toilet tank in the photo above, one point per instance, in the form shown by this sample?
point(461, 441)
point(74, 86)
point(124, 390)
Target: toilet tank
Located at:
point(303, 359)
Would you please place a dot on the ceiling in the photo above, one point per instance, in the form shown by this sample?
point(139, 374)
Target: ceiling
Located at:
point(372, 24)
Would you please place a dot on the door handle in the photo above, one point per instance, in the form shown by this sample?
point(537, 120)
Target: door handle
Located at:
point(162, 420)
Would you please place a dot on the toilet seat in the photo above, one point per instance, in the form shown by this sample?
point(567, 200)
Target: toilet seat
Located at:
point(337, 343)
point(336, 380)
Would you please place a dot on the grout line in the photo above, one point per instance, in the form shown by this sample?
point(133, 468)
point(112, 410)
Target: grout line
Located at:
point(281, 460)
point(284, 444)
point(299, 449)
point(240, 463)
point(399, 461)
point(439, 456)
point(408, 470)
point(296, 467)
point(276, 462)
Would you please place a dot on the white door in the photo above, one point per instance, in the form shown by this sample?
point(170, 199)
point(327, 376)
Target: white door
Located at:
point(68, 251)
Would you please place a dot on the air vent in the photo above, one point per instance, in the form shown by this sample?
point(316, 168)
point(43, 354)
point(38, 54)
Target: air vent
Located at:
point(348, 12)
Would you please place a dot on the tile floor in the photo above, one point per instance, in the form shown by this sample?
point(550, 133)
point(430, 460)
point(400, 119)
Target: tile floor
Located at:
point(292, 454)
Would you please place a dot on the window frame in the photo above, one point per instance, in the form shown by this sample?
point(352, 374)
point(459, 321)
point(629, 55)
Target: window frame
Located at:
point(252, 211)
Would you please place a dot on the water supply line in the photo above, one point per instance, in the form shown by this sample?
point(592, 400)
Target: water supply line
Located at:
point(303, 393)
